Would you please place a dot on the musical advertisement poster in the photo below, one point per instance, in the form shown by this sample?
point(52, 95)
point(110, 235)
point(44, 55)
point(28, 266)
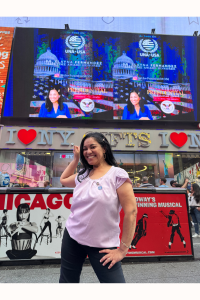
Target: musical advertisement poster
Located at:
point(32, 225)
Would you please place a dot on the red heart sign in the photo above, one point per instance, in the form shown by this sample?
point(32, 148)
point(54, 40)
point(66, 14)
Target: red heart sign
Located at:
point(63, 156)
point(26, 136)
point(178, 139)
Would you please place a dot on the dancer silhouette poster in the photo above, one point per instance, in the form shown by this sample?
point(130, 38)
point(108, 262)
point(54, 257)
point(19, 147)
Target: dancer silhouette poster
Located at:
point(162, 227)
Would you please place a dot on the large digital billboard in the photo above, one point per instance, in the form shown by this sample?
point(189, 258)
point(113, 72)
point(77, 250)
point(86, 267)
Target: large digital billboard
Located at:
point(6, 37)
point(102, 75)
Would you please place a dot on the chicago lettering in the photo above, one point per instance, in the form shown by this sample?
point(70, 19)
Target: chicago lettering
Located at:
point(52, 201)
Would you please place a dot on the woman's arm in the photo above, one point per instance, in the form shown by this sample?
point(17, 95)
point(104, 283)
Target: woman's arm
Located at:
point(128, 203)
point(41, 221)
point(30, 227)
point(68, 177)
point(185, 183)
point(42, 113)
point(124, 116)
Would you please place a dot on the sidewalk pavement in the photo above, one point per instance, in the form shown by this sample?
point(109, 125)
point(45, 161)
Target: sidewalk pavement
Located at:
point(134, 272)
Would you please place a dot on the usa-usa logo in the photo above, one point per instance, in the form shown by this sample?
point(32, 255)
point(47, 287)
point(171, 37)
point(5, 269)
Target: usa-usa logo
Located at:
point(75, 42)
point(148, 45)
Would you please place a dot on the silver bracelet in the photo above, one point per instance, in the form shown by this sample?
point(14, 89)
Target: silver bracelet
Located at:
point(125, 245)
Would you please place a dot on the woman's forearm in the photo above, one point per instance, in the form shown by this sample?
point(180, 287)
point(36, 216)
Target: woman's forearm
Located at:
point(30, 228)
point(129, 225)
point(69, 171)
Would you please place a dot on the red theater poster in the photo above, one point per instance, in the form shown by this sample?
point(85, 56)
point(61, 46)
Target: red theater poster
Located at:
point(6, 36)
point(162, 226)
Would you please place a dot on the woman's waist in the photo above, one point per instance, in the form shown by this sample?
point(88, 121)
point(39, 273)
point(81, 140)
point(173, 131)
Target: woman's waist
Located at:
point(22, 236)
point(22, 244)
point(93, 223)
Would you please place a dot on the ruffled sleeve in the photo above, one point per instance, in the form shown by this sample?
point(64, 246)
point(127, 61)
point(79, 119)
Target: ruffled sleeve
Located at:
point(121, 177)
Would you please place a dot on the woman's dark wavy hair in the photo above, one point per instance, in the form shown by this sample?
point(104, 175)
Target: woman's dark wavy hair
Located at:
point(196, 192)
point(103, 142)
point(49, 104)
point(130, 106)
point(24, 207)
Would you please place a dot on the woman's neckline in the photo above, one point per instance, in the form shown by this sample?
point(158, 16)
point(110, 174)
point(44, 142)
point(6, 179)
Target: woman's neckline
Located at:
point(101, 176)
point(138, 112)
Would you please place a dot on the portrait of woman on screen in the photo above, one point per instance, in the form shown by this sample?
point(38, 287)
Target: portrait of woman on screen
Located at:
point(135, 109)
point(54, 106)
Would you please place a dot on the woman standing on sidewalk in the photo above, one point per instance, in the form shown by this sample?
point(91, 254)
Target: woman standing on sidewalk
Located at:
point(194, 203)
point(101, 189)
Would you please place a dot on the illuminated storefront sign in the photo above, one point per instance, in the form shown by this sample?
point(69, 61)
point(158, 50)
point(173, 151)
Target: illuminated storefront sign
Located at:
point(6, 36)
point(136, 139)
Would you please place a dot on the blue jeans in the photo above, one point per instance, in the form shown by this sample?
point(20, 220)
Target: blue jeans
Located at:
point(73, 256)
point(196, 219)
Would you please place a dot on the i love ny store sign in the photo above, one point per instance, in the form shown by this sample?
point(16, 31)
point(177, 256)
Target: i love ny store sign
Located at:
point(53, 138)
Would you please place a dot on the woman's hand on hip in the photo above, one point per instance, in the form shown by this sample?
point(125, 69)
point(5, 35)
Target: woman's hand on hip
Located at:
point(112, 256)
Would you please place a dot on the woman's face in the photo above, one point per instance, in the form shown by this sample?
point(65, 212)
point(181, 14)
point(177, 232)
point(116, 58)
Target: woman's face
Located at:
point(93, 152)
point(47, 211)
point(24, 215)
point(192, 188)
point(134, 98)
point(54, 96)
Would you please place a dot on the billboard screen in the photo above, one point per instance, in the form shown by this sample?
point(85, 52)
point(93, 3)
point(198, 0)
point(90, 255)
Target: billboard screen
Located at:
point(102, 76)
point(6, 37)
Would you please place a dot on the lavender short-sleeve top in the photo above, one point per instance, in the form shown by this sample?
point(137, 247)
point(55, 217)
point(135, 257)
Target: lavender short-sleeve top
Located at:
point(94, 218)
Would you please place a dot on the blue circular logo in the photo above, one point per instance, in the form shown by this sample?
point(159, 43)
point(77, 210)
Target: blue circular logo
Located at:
point(75, 42)
point(148, 45)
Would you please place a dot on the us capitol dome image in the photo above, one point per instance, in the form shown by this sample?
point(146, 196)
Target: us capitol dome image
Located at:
point(124, 67)
point(47, 64)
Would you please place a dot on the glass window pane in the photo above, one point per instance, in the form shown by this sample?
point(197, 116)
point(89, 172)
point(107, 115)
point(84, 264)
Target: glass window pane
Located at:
point(146, 164)
point(126, 162)
point(26, 167)
point(38, 168)
point(187, 165)
point(12, 162)
point(166, 167)
point(60, 162)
